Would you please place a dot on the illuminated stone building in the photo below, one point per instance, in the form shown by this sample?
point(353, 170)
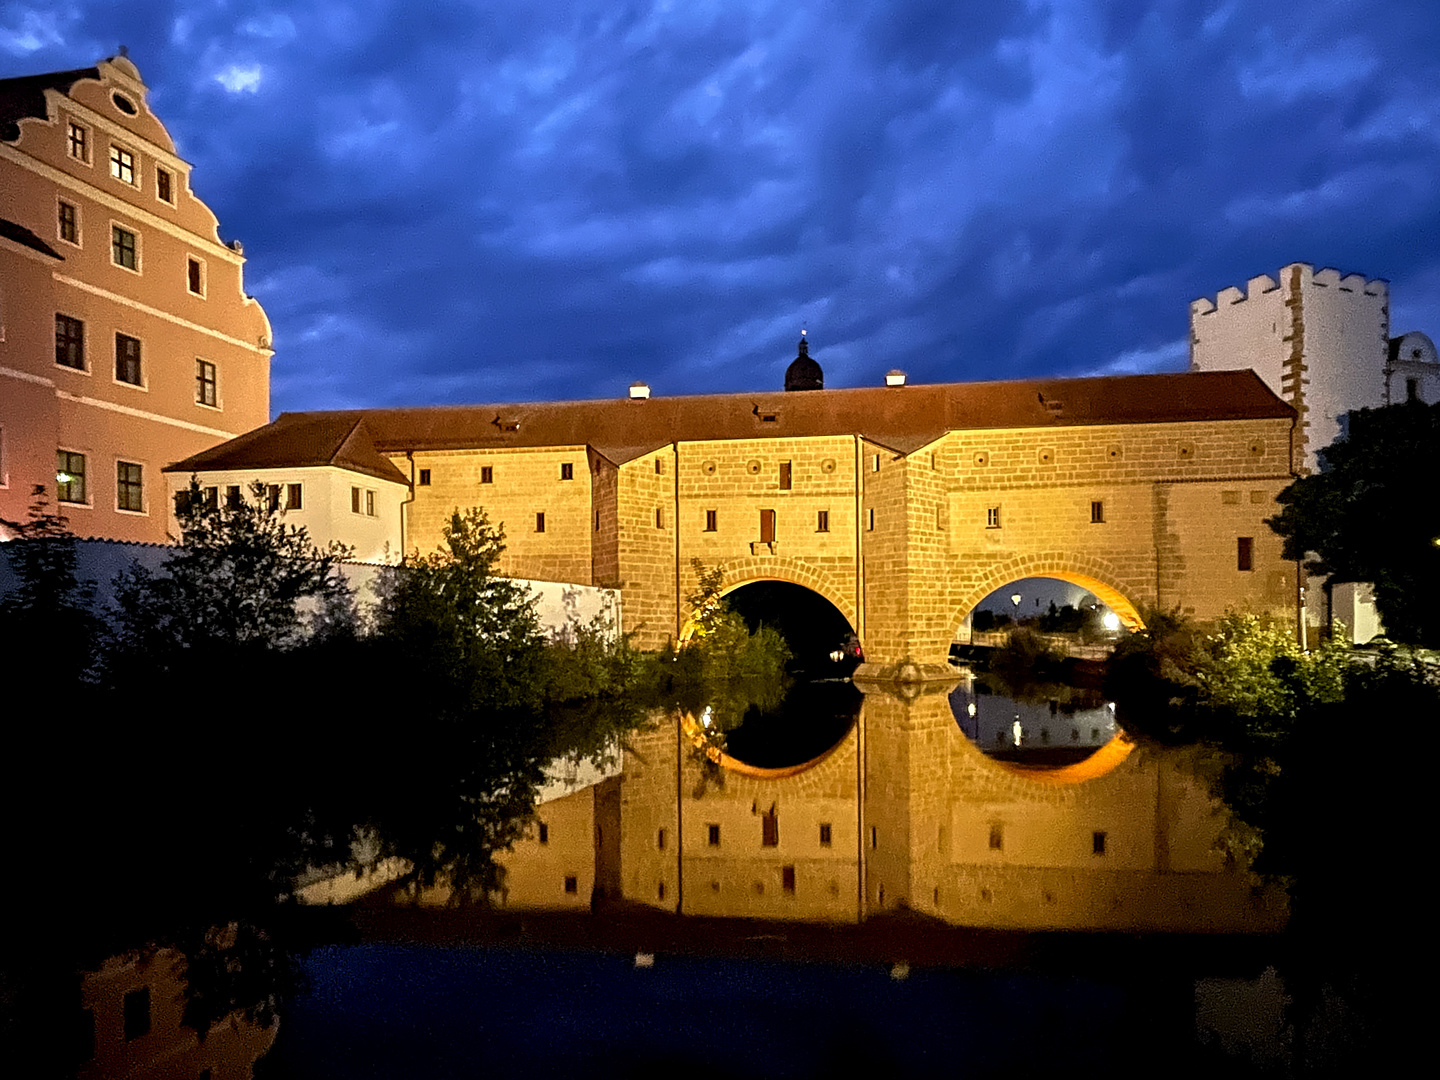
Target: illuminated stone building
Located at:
point(126, 338)
point(903, 505)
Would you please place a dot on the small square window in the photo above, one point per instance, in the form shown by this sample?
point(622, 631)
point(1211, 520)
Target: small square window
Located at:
point(424, 477)
point(710, 519)
point(786, 476)
point(1097, 843)
point(542, 832)
point(369, 503)
point(127, 359)
point(69, 342)
point(822, 521)
point(1245, 553)
point(1097, 513)
point(294, 496)
point(825, 835)
point(122, 165)
point(540, 521)
point(567, 471)
point(69, 223)
point(572, 884)
point(205, 384)
point(129, 487)
point(164, 188)
point(79, 142)
point(713, 835)
point(195, 276)
point(123, 251)
point(487, 474)
point(137, 1013)
point(997, 838)
point(70, 476)
point(992, 517)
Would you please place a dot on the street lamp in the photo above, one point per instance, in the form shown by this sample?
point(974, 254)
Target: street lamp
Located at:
point(1015, 599)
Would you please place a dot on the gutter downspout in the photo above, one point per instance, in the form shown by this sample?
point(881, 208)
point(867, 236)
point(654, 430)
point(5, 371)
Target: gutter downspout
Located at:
point(404, 506)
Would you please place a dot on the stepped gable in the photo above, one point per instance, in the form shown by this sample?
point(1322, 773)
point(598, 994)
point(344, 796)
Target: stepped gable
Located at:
point(299, 440)
point(902, 419)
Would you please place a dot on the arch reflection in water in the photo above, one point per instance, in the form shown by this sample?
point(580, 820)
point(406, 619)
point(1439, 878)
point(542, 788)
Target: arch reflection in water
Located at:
point(1052, 725)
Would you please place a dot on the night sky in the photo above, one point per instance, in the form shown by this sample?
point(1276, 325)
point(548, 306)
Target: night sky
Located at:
point(452, 202)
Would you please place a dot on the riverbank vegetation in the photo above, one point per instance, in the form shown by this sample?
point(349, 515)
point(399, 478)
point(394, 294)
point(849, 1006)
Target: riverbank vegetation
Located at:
point(234, 722)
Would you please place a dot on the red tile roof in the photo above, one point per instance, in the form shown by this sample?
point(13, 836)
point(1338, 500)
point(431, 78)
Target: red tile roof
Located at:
point(902, 419)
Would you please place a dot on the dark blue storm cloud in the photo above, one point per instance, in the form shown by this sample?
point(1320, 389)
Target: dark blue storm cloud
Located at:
point(448, 202)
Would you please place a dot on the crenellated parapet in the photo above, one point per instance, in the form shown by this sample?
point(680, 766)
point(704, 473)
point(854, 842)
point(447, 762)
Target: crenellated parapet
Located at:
point(1263, 284)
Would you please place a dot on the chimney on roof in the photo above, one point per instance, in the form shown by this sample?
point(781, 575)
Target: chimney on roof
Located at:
point(894, 377)
point(639, 391)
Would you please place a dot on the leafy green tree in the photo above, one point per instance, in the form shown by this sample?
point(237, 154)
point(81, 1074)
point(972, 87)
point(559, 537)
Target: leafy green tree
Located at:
point(1369, 516)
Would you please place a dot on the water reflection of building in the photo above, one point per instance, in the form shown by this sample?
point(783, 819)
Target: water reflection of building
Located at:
point(906, 811)
point(131, 1011)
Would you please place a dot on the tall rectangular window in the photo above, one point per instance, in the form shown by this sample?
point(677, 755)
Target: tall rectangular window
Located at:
point(136, 1011)
point(122, 165)
point(787, 878)
point(712, 835)
point(1245, 553)
point(1097, 843)
point(710, 520)
point(70, 476)
point(127, 359)
point(487, 474)
point(659, 466)
point(785, 476)
point(992, 517)
point(424, 478)
point(69, 222)
point(294, 497)
point(195, 276)
point(355, 500)
point(69, 342)
point(997, 838)
point(79, 142)
point(567, 471)
point(825, 835)
point(272, 497)
point(767, 526)
point(369, 503)
point(232, 497)
point(870, 520)
point(205, 384)
point(540, 521)
point(770, 828)
point(822, 521)
point(129, 487)
point(659, 518)
point(1097, 513)
point(122, 248)
point(164, 189)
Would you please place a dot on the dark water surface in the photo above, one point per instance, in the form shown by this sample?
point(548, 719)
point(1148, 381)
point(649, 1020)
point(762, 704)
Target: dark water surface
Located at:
point(421, 1011)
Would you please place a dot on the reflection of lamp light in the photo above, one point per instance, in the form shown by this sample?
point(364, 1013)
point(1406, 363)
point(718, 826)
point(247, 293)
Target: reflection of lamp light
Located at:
point(971, 710)
point(1111, 621)
point(1016, 731)
point(1015, 599)
point(705, 717)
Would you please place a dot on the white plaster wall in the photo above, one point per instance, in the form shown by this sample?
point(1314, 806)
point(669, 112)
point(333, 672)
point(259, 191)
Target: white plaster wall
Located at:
point(1347, 329)
point(325, 513)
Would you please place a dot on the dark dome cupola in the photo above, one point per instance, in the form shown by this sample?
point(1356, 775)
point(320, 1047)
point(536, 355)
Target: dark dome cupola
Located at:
point(803, 372)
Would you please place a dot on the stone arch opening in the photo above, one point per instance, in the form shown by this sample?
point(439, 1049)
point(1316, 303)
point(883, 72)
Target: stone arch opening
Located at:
point(1032, 654)
point(772, 732)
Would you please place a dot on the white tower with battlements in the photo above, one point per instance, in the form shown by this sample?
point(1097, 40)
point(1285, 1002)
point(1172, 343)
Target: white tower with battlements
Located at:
point(1319, 339)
